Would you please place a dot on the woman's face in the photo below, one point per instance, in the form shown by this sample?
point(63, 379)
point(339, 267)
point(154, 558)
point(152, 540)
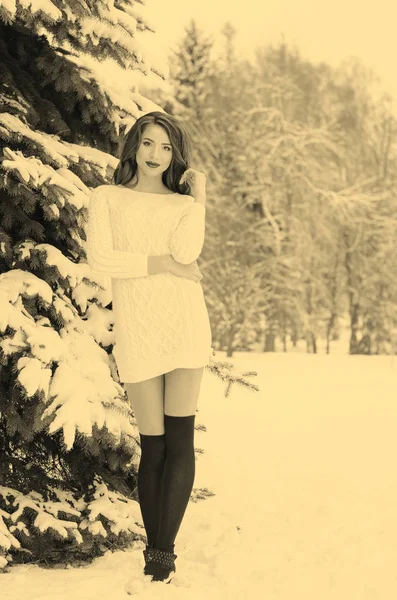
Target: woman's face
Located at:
point(154, 154)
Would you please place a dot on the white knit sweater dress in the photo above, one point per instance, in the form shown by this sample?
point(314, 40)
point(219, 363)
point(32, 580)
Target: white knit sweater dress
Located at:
point(161, 321)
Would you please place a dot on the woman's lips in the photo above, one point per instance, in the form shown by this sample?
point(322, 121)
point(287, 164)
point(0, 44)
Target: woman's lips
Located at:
point(152, 165)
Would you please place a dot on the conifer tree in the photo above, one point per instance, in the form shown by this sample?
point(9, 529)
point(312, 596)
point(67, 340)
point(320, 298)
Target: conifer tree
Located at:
point(191, 69)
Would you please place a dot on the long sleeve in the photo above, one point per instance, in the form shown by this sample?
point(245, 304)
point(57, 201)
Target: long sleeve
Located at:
point(187, 240)
point(101, 255)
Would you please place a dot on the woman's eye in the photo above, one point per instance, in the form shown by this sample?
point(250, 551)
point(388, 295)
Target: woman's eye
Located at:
point(146, 143)
point(168, 148)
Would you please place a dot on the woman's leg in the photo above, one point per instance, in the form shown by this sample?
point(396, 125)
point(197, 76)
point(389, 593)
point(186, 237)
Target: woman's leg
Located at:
point(147, 402)
point(182, 387)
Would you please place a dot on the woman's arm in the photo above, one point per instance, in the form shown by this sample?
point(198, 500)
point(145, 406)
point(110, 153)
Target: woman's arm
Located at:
point(101, 255)
point(187, 240)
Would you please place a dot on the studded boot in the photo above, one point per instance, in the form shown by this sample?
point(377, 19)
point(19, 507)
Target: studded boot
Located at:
point(160, 564)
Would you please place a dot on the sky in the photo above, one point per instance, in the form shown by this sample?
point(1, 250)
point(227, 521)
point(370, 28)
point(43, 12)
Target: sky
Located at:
point(323, 31)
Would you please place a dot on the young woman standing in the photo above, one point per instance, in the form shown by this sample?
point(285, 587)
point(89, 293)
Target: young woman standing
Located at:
point(146, 232)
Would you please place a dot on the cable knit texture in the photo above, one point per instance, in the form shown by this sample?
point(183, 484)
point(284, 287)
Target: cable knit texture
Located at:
point(161, 320)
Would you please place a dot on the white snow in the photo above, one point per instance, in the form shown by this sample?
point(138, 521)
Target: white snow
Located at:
point(47, 7)
point(306, 493)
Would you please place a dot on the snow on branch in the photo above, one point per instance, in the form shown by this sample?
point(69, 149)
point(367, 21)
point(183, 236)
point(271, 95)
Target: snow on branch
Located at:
point(118, 85)
point(33, 171)
point(94, 29)
point(81, 393)
point(12, 129)
point(63, 514)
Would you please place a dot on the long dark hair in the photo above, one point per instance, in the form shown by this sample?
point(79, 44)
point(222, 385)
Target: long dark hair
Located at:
point(181, 151)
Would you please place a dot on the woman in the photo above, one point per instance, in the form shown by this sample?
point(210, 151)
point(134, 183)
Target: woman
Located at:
point(146, 231)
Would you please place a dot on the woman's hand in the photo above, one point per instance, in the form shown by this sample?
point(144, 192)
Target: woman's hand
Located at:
point(190, 271)
point(196, 181)
point(167, 264)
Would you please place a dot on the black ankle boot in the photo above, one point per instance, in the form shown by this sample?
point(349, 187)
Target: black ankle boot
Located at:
point(160, 564)
point(145, 552)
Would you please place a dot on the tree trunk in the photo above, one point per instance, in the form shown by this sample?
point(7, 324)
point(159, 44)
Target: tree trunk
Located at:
point(230, 349)
point(354, 325)
point(270, 334)
point(270, 342)
point(311, 343)
point(330, 327)
point(354, 307)
point(314, 343)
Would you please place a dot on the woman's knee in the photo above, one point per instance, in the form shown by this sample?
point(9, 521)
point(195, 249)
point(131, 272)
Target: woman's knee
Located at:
point(153, 451)
point(179, 435)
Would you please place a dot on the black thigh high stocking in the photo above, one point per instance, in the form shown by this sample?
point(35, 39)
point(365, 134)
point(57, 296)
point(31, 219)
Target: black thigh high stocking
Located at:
point(150, 475)
point(179, 472)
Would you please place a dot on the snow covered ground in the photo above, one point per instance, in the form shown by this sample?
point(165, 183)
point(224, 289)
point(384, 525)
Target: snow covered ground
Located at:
point(305, 478)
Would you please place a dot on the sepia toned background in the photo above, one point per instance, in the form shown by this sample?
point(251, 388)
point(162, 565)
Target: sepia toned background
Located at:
point(330, 32)
point(295, 493)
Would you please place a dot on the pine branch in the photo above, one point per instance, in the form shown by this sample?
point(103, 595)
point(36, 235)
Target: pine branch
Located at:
point(223, 371)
